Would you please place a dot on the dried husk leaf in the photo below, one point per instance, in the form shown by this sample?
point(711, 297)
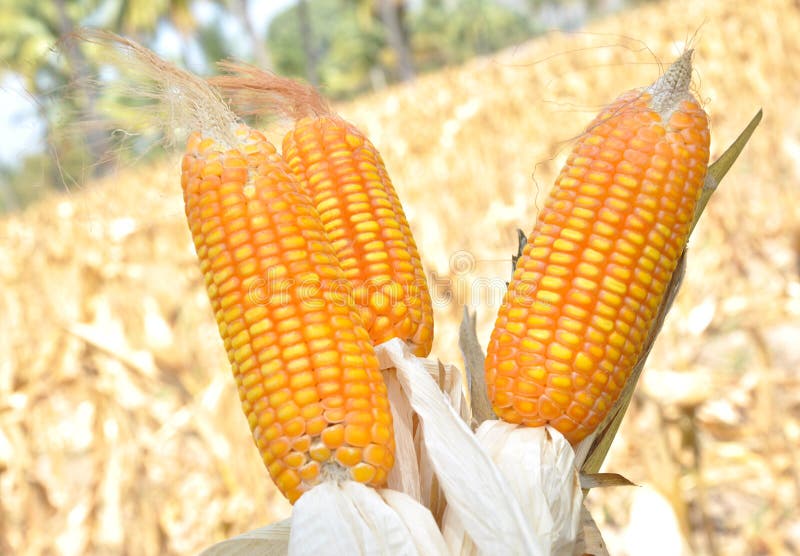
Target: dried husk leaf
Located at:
point(590, 541)
point(539, 464)
point(602, 480)
point(272, 540)
point(350, 518)
point(405, 474)
point(419, 521)
point(474, 361)
point(475, 489)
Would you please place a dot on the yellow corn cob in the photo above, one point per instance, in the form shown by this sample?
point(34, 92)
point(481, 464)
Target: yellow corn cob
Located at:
point(308, 377)
point(593, 273)
point(345, 176)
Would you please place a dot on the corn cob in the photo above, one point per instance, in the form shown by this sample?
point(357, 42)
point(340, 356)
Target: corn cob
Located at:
point(594, 270)
point(345, 176)
point(307, 374)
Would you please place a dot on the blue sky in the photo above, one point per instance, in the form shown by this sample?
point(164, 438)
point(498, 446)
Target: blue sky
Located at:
point(21, 131)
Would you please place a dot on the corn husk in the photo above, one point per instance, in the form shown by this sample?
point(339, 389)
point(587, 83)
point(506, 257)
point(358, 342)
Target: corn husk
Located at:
point(271, 540)
point(350, 518)
point(539, 464)
point(474, 487)
point(343, 518)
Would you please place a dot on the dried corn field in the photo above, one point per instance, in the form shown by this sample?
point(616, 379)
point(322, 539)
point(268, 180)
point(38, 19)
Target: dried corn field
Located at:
point(120, 430)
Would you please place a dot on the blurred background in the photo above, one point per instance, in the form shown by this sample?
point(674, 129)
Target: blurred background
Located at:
point(120, 430)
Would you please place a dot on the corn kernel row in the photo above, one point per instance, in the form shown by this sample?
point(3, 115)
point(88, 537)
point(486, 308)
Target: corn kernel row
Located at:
point(594, 271)
point(306, 371)
point(346, 178)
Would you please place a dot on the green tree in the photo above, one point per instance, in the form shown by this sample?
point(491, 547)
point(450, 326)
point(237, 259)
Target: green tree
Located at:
point(348, 51)
point(59, 79)
point(448, 32)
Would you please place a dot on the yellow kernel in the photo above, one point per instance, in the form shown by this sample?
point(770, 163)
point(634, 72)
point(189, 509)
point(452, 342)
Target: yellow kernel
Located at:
point(591, 190)
point(571, 234)
point(538, 252)
point(561, 258)
point(562, 244)
point(587, 270)
point(604, 229)
point(555, 270)
point(585, 399)
point(626, 181)
point(348, 456)
point(516, 328)
point(542, 308)
point(357, 435)
point(607, 215)
point(584, 284)
point(279, 447)
point(536, 374)
point(240, 339)
point(306, 396)
point(294, 351)
point(558, 351)
point(600, 243)
point(561, 398)
point(575, 312)
point(540, 334)
point(613, 285)
point(524, 406)
point(577, 223)
point(571, 325)
point(517, 313)
point(548, 297)
point(617, 204)
point(530, 345)
point(577, 412)
point(325, 358)
point(287, 325)
point(609, 298)
point(560, 381)
point(616, 339)
point(634, 237)
point(287, 411)
point(255, 392)
point(637, 292)
point(603, 324)
point(375, 454)
point(288, 480)
point(583, 362)
point(363, 472)
point(644, 278)
point(597, 178)
point(294, 459)
point(319, 452)
point(310, 471)
point(333, 436)
point(243, 353)
point(568, 338)
point(592, 256)
point(579, 296)
point(538, 321)
point(381, 433)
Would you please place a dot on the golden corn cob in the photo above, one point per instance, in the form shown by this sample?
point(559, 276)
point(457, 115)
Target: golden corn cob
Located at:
point(345, 176)
point(593, 273)
point(307, 374)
